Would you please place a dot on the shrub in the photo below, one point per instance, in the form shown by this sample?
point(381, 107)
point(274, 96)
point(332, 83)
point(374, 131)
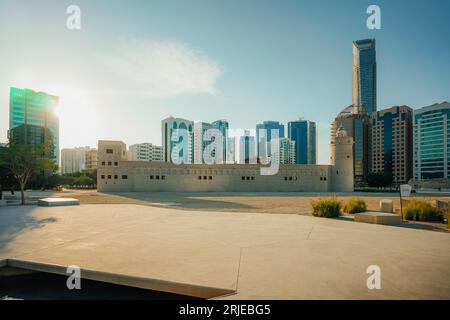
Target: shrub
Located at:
point(326, 207)
point(422, 210)
point(355, 205)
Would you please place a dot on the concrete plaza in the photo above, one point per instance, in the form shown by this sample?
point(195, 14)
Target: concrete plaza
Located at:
point(250, 255)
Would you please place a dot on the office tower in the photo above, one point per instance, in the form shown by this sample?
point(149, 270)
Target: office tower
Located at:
point(200, 143)
point(145, 152)
point(264, 135)
point(170, 138)
point(364, 77)
point(287, 151)
point(304, 134)
point(92, 159)
point(37, 109)
point(223, 126)
point(39, 138)
point(356, 126)
point(391, 143)
point(73, 159)
point(247, 148)
point(432, 145)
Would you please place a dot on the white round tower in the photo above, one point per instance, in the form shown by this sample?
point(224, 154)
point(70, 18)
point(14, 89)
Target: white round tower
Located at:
point(341, 149)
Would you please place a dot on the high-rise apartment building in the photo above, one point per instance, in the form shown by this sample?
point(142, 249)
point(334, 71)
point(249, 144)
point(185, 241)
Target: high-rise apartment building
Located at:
point(223, 126)
point(304, 134)
point(73, 159)
point(432, 145)
point(145, 152)
point(200, 143)
point(364, 77)
point(92, 159)
point(287, 151)
point(37, 109)
point(391, 143)
point(171, 138)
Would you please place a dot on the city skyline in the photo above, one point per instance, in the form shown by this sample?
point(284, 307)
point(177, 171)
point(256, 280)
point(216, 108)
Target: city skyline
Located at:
point(283, 84)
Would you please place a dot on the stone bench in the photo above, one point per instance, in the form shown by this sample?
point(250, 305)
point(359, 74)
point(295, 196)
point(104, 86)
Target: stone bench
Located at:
point(378, 218)
point(56, 202)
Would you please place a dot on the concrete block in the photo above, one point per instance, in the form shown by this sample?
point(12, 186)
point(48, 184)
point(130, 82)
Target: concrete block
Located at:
point(387, 205)
point(56, 202)
point(378, 218)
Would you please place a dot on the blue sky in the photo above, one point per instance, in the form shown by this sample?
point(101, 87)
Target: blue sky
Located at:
point(246, 61)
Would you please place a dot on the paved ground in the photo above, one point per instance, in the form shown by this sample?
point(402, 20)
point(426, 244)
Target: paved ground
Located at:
point(262, 256)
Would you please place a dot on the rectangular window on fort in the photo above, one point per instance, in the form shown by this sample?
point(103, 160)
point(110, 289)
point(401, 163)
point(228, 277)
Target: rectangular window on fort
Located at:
point(199, 177)
point(116, 163)
point(109, 150)
point(210, 177)
point(109, 163)
point(163, 177)
point(124, 177)
point(151, 177)
point(103, 176)
point(157, 177)
point(103, 163)
point(116, 176)
point(109, 176)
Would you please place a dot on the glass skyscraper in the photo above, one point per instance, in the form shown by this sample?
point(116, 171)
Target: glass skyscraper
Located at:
point(364, 76)
point(303, 133)
point(432, 142)
point(34, 109)
point(267, 127)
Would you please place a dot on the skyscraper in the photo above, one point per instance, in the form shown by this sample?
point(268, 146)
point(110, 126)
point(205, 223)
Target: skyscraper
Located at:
point(391, 143)
point(264, 135)
point(303, 133)
point(27, 107)
point(247, 150)
point(223, 126)
point(199, 143)
point(432, 145)
point(364, 77)
point(168, 127)
point(287, 151)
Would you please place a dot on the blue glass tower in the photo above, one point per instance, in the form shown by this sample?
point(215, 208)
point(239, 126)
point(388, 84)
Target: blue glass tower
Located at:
point(303, 132)
point(364, 76)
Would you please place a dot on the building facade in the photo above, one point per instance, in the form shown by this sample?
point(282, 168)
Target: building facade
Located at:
point(73, 159)
point(171, 137)
point(391, 149)
point(39, 138)
point(364, 76)
point(287, 151)
point(304, 134)
point(247, 148)
point(116, 174)
point(432, 146)
point(200, 143)
point(92, 159)
point(223, 126)
point(145, 152)
point(37, 109)
point(264, 135)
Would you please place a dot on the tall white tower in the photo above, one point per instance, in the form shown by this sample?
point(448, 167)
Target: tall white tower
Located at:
point(341, 148)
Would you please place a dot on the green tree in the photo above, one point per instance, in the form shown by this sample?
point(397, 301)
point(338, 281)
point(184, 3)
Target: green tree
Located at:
point(24, 161)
